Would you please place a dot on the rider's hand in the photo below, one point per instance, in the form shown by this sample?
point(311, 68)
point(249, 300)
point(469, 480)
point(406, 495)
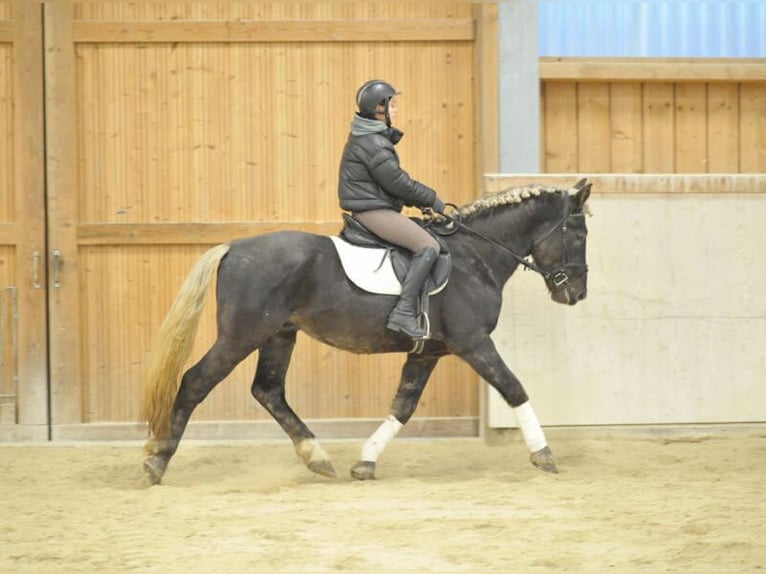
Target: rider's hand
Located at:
point(439, 206)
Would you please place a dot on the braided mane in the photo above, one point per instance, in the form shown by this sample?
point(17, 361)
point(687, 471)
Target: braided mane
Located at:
point(512, 195)
point(506, 197)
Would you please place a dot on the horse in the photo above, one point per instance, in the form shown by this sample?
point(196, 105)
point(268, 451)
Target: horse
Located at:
point(271, 286)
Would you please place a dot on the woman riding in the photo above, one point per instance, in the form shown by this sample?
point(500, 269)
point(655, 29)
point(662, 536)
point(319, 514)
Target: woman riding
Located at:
point(374, 188)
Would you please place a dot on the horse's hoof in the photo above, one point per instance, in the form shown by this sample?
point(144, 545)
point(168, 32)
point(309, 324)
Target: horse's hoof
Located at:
point(314, 457)
point(543, 459)
point(323, 467)
point(363, 470)
point(154, 469)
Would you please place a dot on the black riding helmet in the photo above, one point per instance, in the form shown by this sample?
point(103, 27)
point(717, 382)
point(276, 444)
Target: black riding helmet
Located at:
point(373, 93)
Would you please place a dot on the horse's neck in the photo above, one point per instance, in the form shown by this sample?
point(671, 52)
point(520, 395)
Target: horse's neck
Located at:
point(517, 226)
point(514, 228)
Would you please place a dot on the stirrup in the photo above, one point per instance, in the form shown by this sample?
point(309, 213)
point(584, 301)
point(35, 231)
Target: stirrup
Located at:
point(420, 342)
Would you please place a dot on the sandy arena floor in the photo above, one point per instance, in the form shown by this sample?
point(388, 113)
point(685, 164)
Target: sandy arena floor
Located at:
point(692, 502)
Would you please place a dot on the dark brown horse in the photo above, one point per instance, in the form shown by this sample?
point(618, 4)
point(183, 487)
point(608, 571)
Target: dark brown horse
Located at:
point(273, 285)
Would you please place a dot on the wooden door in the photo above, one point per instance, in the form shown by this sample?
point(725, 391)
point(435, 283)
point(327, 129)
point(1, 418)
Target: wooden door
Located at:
point(172, 127)
point(23, 362)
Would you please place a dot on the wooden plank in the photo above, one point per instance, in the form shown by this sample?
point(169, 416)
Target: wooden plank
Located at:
point(62, 189)
point(560, 137)
point(635, 183)
point(416, 30)
point(29, 184)
point(752, 122)
point(8, 233)
point(723, 128)
point(593, 127)
point(626, 117)
point(189, 233)
point(652, 69)
point(691, 128)
point(658, 128)
point(7, 32)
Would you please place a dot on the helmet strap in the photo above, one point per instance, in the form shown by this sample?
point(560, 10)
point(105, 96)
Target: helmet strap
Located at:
point(388, 116)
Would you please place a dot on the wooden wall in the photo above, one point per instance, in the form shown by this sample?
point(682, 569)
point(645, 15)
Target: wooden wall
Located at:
point(22, 223)
point(185, 125)
point(653, 116)
point(170, 127)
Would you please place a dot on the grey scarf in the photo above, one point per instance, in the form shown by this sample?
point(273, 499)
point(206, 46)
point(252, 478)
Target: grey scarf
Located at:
point(363, 126)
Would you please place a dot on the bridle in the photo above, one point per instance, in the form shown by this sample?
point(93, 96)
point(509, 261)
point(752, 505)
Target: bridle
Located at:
point(555, 278)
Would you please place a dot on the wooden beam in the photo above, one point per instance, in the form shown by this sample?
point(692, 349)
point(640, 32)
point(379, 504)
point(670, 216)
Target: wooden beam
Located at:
point(189, 233)
point(636, 183)
point(424, 30)
point(29, 189)
point(66, 385)
point(653, 70)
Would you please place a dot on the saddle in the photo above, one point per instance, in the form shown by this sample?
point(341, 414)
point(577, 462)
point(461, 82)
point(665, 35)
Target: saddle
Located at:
point(378, 266)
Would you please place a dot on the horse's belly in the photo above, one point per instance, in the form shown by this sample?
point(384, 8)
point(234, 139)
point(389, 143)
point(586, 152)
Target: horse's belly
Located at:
point(352, 338)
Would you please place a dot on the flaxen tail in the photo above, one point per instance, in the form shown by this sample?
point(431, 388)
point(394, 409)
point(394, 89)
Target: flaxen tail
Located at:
point(174, 343)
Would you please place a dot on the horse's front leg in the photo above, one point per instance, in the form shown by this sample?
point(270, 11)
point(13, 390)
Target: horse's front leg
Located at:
point(415, 375)
point(486, 361)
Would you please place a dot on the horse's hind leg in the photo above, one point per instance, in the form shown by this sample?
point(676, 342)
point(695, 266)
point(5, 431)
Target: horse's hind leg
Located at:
point(196, 384)
point(269, 390)
point(415, 375)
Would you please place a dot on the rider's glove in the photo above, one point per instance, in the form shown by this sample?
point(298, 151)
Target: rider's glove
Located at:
point(439, 206)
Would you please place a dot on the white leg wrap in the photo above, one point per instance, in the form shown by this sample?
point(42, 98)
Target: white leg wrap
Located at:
point(530, 427)
point(380, 439)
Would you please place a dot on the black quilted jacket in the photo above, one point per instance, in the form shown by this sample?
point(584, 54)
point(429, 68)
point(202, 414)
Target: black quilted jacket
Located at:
point(370, 176)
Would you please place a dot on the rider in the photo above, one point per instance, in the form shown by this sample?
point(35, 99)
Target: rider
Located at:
point(374, 188)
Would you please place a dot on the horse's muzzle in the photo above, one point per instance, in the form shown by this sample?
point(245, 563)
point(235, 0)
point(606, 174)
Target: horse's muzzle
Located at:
point(571, 294)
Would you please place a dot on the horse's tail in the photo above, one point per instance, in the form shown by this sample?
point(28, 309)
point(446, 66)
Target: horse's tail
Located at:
point(174, 344)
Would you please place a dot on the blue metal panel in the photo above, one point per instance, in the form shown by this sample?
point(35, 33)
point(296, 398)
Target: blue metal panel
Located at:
point(705, 29)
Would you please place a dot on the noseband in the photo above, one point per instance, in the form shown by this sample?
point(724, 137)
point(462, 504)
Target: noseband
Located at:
point(556, 278)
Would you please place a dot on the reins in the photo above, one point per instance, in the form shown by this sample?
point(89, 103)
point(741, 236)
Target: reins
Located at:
point(558, 277)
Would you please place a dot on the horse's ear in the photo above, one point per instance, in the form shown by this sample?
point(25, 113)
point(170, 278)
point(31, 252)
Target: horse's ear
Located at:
point(582, 196)
point(580, 184)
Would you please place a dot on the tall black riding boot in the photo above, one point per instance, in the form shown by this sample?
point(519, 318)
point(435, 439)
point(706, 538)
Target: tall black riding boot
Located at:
point(404, 316)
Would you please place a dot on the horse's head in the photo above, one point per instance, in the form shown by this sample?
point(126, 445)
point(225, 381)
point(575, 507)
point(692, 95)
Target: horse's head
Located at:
point(560, 249)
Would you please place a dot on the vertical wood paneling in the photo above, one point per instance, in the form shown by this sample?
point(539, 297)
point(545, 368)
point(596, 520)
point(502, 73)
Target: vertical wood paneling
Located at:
point(723, 128)
point(249, 132)
point(560, 137)
point(266, 119)
point(6, 133)
point(653, 126)
point(659, 128)
point(126, 292)
point(691, 128)
point(753, 128)
point(593, 127)
point(625, 114)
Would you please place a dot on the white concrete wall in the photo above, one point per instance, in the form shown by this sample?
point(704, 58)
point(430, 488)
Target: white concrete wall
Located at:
point(674, 326)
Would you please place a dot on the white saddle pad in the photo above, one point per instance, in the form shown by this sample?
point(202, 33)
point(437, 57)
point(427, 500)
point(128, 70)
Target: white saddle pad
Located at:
point(369, 268)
